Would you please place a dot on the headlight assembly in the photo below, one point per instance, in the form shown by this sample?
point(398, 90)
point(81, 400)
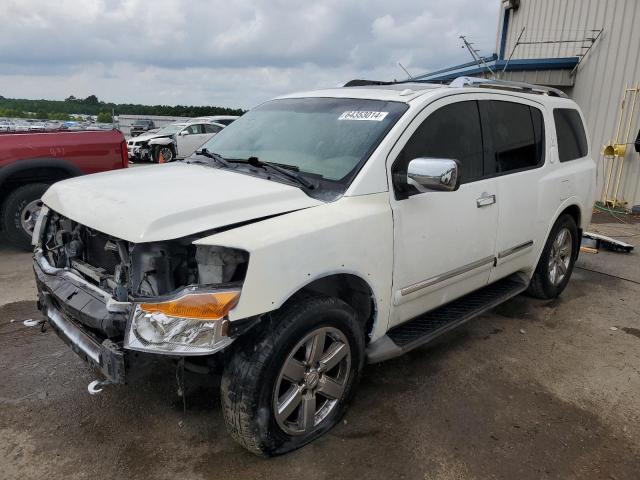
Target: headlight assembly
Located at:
point(192, 323)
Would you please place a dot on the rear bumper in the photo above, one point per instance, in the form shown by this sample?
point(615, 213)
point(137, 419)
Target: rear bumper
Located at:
point(75, 310)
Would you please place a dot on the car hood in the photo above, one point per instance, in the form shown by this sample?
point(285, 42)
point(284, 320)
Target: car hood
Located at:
point(162, 202)
point(148, 136)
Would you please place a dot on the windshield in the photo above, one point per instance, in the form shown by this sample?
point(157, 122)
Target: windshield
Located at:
point(329, 138)
point(169, 129)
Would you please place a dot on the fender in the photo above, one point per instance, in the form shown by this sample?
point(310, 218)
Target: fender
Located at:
point(38, 163)
point(317, 242)
point(330, 273)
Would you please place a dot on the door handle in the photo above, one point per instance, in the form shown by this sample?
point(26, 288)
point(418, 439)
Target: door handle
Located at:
point(485, 200)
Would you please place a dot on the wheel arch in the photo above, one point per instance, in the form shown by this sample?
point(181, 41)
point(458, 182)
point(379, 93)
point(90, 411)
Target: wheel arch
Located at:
point(36, 170)
point(574, 211)
point(348, 287)
point(570, 207)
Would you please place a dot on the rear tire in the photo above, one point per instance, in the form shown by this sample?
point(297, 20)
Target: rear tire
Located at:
point(19, 213)
point(280, 390)
point(557, 260)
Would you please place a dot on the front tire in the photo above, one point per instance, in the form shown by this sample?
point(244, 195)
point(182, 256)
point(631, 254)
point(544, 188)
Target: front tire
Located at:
point(557, 260)
point(291, 380)
point(19, 213)
point(166, 152)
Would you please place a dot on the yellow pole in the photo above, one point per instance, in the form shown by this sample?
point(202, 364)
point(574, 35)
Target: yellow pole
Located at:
point(626, 141)
point(605, 195)
point(633, 110)
point(624, 99)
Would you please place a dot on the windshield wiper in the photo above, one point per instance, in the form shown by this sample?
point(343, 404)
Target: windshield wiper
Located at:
point(206, 153)
point(289, 171)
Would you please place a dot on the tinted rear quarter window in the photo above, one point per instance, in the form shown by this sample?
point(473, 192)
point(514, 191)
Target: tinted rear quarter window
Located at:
point(572, 140)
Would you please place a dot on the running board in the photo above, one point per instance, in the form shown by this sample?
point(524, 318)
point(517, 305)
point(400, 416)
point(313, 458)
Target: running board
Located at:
point(428, 326)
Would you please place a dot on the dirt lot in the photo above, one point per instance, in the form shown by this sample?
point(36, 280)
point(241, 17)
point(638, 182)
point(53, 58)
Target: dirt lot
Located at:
point(530, 390)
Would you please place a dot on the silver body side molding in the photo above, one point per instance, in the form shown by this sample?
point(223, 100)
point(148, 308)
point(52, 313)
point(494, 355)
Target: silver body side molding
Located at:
point(446, 275)
point(517, 248)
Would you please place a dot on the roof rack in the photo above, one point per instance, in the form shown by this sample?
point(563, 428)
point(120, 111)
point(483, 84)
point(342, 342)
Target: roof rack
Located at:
point(507, 85)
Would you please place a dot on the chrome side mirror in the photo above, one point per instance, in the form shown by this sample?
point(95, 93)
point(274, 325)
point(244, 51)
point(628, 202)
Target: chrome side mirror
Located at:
point(433, 174)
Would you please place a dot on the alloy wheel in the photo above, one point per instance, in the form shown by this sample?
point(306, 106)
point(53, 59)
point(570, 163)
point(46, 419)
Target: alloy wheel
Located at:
point(312, 380)
point(560, 256)
point(166, 153)
point(29, 215)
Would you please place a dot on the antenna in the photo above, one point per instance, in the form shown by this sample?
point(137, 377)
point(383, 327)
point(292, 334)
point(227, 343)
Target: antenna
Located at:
point(475, 55)
point(513, 50)
point(406, 71)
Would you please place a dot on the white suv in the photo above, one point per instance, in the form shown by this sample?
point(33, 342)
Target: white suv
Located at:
point(317, 232)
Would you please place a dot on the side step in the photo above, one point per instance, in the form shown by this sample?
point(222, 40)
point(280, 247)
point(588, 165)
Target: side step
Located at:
point(428, 326)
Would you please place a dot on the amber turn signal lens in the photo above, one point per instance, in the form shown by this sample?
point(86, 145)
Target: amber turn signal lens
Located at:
point(196, 306)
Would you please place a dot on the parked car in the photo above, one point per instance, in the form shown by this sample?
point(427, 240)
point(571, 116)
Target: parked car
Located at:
point(222, 119)
point(7, 126)
point(36, 126)
point(21, 127)
point(178, 140)
point(318, 232)
point(52, 125)
point(138, 127)
point(71, 126)
point(30, 163)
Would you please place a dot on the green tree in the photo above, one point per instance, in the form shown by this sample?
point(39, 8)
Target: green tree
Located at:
point(59, 116)
point(72, 105)
point(105, 117)
point(91, 100)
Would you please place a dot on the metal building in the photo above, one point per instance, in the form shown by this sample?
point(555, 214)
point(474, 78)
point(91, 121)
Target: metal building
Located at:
point(591, 50)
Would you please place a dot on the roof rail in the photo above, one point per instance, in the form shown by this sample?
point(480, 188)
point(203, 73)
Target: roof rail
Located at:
point(364, 83)
point(507, 85)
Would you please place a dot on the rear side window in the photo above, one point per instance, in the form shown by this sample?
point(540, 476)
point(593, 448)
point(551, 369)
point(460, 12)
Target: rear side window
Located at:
point(452, 131)
point(517, 136)
point(195, 129)
point(572, 141)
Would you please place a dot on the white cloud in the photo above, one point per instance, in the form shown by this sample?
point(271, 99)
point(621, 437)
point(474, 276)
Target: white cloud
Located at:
point(226, 53)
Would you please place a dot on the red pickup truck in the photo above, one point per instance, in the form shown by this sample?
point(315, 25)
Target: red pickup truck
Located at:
point(29, 163)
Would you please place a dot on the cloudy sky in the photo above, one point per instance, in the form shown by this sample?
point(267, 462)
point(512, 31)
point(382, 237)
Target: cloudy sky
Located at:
point(234, 53)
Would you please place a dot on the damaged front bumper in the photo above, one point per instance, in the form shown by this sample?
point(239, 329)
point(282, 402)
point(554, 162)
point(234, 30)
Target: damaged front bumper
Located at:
point(99, 328)
point(139, 153)
point(75, 310)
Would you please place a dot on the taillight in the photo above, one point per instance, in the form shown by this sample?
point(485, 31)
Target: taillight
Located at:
point(124, 153)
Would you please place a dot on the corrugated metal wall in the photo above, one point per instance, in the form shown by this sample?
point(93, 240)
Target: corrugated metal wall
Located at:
point(613, 61)
point(550, 20)
point(554, 78)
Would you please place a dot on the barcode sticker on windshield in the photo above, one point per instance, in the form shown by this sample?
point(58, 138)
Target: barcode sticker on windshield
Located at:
point(362, 115)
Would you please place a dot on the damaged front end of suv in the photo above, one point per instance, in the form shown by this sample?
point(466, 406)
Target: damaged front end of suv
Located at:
point(106, 296)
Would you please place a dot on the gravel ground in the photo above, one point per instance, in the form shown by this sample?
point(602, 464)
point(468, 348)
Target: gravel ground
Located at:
point(530, 390)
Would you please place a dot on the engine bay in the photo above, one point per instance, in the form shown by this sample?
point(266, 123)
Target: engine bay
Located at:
point(138, 270)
